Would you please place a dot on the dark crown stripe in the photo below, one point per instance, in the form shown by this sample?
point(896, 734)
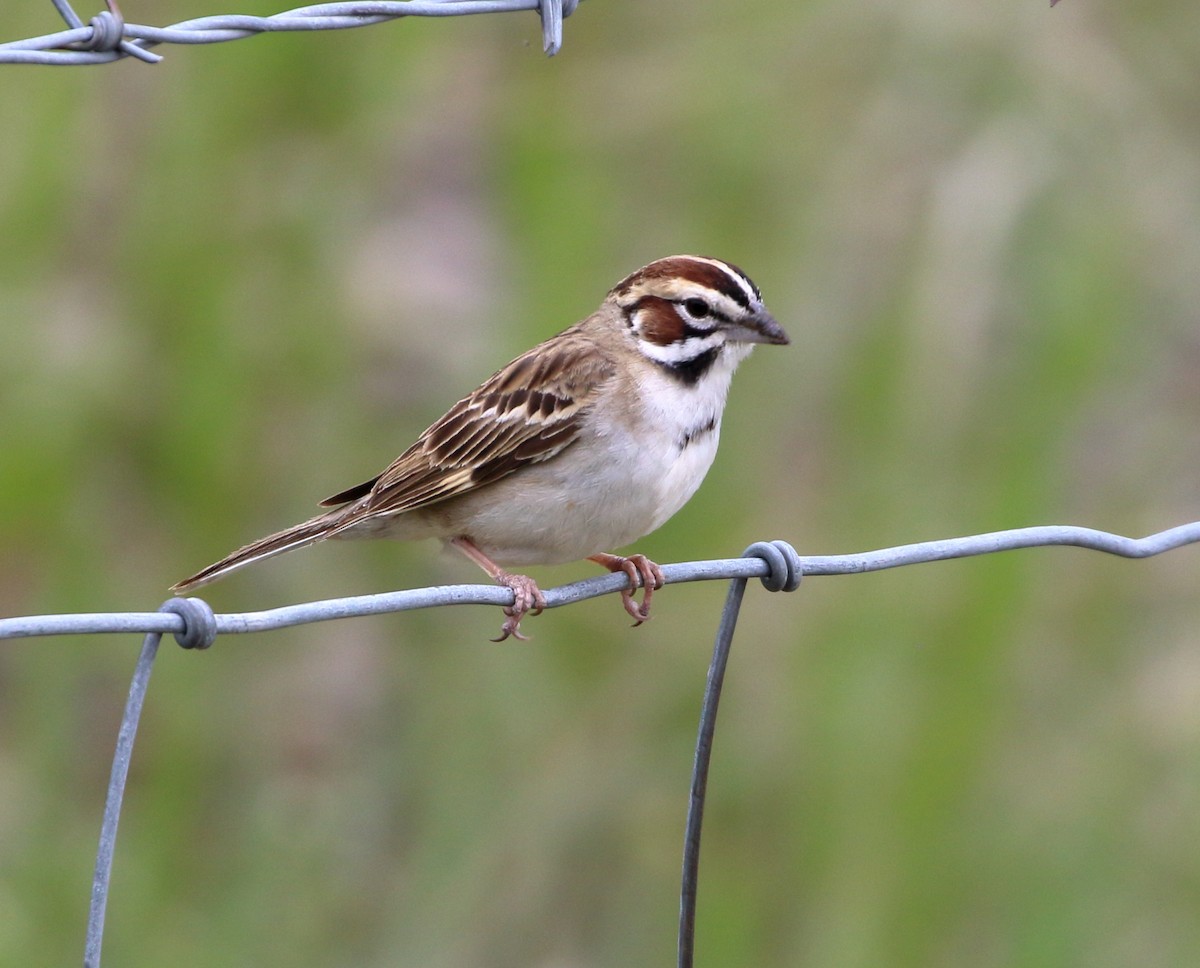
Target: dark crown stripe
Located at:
point(749, 284)
point(709, 275)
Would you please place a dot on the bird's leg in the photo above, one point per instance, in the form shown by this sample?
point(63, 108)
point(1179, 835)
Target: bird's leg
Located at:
point(640, 570)
point(527, 597)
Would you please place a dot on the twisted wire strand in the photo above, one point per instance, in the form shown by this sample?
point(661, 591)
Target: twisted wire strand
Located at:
point(107, 37)
point(176, 622)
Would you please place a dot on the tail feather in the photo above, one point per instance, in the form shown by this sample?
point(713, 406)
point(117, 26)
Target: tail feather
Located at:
point(298, 536)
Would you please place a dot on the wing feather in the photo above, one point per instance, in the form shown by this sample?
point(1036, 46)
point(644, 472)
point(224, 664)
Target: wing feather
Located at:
point(529, 411)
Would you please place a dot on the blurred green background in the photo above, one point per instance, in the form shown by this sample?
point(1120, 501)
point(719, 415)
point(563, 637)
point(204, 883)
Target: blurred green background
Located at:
point(243, 279)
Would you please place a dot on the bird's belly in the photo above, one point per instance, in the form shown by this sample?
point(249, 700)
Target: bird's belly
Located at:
point(585, 501)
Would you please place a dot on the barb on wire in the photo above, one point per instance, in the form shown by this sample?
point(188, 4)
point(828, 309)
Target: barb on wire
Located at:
point(107, 37)
point(713, 569)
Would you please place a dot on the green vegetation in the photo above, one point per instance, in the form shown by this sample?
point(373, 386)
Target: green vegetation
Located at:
point(242, 279)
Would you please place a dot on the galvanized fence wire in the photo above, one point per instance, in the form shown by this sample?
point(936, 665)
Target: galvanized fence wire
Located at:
point(108, 37)
point(775, 563)
point(206, 624)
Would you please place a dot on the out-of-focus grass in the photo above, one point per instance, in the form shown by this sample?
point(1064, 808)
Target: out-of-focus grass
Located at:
point(245, 278)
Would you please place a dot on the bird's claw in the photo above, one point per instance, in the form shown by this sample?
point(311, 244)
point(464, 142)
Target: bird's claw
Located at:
point(640, 570)
point(527, 597)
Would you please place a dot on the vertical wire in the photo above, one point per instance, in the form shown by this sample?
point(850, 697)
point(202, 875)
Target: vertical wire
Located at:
point(67, 13)
point(704, 741)
point(112, 803)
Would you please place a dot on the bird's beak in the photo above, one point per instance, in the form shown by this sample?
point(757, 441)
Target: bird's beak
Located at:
point(759, 328)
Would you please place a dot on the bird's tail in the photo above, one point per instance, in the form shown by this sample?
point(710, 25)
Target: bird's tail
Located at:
point(298, 536)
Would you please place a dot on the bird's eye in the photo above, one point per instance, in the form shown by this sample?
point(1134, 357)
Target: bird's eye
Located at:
point(697, 308)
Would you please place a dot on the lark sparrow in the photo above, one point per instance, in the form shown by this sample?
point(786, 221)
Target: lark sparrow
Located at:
point(589, 441)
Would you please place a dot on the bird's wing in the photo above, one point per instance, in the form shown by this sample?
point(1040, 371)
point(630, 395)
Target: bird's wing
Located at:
point(529, 411)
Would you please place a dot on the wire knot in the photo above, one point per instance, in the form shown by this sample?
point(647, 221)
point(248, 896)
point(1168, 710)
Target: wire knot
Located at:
point(556, 8)
point(786, 568)
point(199, 623)
point(108, 30)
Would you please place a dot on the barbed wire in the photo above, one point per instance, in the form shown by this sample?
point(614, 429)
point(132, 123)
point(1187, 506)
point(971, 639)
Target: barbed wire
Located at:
point(107, 37)
point(775, 563)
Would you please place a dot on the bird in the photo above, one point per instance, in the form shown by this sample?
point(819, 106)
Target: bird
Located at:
point(587, 442)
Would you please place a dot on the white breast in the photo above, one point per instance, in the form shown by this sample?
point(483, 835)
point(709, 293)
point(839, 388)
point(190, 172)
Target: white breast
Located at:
point(685, 423)
point(633, 467)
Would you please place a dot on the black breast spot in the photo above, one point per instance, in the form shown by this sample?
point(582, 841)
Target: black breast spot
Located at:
point(695, 433)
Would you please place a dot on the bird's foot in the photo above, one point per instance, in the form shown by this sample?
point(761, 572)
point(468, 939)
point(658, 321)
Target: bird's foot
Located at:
point(527, 597)
point(640, 571)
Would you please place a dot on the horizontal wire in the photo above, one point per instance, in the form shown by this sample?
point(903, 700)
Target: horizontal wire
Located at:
point(706, 570)
point(108, 38)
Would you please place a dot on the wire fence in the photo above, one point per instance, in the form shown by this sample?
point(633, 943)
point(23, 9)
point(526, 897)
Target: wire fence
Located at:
point(775, 563)
point(107, 37)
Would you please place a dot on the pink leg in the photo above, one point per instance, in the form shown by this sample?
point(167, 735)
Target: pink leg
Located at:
point(640, 570)
point(527, 597)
